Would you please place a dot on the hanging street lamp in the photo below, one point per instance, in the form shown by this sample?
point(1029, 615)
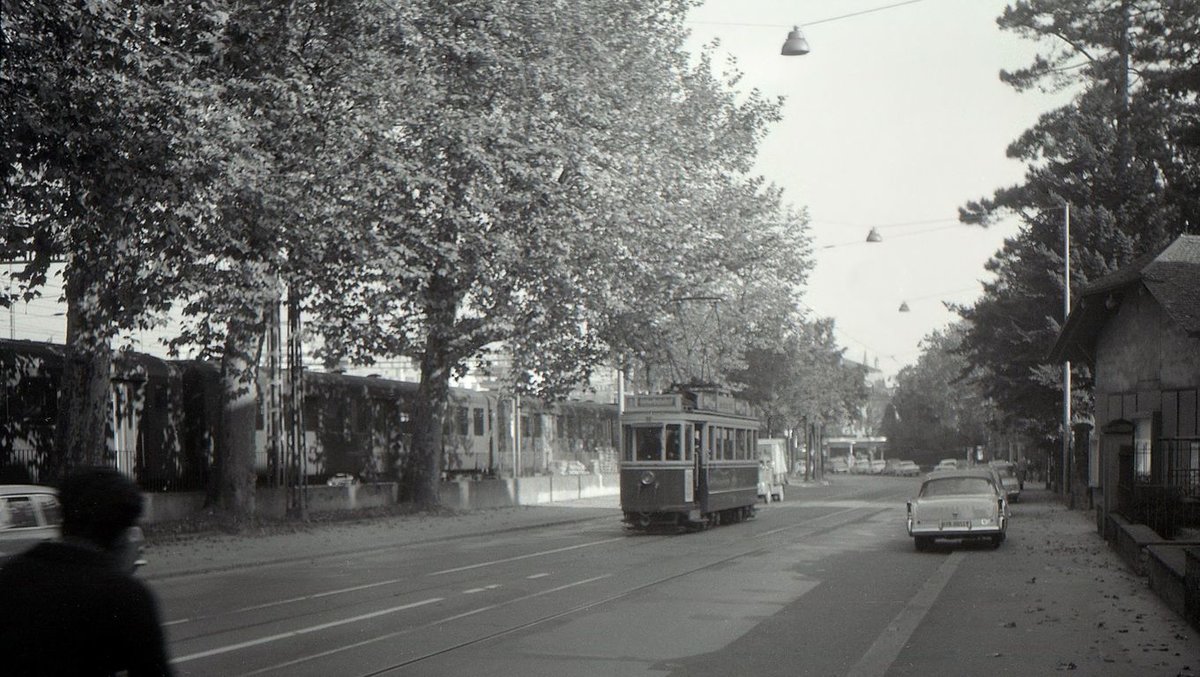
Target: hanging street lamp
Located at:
point(795, 45)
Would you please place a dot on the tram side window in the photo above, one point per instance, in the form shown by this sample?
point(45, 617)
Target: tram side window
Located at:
point(673, 442)
point(648, 443)
point(477, 419)
point(728, 444)
point(741, 445)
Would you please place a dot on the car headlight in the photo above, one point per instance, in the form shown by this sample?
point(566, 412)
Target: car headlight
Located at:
point(985, 521)
point(647, 478)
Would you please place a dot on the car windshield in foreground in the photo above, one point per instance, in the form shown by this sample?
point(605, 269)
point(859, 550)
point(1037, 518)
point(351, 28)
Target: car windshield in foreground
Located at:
point(956, 486)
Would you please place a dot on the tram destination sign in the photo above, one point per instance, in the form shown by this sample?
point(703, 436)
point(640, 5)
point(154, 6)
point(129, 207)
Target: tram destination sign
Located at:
point(653, 402)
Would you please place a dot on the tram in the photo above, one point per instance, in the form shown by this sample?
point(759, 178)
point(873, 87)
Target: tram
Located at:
point(689, 460)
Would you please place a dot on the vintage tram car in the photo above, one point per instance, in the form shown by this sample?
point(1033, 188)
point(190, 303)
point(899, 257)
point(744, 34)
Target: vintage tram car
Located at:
point(689, 460)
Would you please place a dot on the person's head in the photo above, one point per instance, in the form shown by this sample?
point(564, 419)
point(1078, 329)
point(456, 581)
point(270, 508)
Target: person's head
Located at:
point(99, 505)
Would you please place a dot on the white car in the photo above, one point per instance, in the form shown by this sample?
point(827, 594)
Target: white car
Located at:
point(958, 504)
point(946, 464)
point(30, 514)
point(1009, 479)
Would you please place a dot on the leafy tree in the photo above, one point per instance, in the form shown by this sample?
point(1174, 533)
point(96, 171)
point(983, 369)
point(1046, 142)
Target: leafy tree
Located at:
point(1112, 154)
point(570, 166)
point(277, 109)
point(799, 379)
point(936, 408)
point(89, 116)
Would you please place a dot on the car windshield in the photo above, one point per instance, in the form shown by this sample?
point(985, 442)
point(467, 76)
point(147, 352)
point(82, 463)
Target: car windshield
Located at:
point(956, 486)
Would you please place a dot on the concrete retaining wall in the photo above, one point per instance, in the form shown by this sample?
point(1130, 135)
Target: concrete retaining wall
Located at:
point(1165, 571)
point(1171, 568)
point(1191, 583)
point(271, 503)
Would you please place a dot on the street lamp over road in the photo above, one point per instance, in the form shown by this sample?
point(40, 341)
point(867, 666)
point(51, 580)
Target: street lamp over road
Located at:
point(795, 45)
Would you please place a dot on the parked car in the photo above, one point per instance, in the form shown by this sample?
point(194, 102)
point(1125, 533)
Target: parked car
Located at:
point(877, 466)
point(1009, 479)
point(958, 504)
point(946, 464)
point(838, 465)
point(908, 469)
point(30, 514)
point(341, 479)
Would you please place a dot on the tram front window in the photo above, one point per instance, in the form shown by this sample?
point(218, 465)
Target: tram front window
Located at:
point(647, 443)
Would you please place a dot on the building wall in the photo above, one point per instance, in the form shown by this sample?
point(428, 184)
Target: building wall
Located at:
point(1143, 361)
point(1142, 351)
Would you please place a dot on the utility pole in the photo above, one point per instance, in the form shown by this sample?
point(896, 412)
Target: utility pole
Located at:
point(1064, 471)
point(297, 451)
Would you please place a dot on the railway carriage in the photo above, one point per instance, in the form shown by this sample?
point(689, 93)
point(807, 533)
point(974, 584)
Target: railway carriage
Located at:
point(689, 460)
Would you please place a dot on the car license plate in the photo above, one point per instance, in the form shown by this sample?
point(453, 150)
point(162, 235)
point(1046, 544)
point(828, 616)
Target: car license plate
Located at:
point(957, 524)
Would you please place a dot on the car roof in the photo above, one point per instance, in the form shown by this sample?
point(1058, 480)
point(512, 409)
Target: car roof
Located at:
point(12, 489)
point(986, 473)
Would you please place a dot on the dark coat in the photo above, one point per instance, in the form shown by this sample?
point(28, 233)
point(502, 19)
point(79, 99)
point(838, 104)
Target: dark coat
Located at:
point(69, 610)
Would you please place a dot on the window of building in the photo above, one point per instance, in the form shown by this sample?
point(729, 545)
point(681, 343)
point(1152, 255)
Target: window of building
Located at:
point(1142, 437)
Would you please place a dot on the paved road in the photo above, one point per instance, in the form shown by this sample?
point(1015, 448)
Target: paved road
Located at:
point(825, 583)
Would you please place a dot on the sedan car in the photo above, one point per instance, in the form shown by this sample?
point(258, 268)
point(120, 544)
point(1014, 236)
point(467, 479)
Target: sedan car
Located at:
point(1009, 479)
point(908, 469)
point(958, 504)
point(30, 514)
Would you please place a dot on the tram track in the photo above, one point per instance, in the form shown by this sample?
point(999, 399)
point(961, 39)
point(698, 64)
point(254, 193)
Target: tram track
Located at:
point(834, 520)
point(330, 598)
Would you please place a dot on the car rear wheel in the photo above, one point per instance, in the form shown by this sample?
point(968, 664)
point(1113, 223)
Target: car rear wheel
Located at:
point(997, 540)
point(922, 542)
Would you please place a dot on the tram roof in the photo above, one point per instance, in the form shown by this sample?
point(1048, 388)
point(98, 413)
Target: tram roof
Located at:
point(713, 403)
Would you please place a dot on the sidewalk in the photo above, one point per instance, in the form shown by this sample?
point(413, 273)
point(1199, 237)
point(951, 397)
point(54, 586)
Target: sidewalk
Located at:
point(1058, 581)
point(181, 555)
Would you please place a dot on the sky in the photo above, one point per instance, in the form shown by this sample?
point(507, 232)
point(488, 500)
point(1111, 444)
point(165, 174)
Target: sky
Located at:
point(895, 119)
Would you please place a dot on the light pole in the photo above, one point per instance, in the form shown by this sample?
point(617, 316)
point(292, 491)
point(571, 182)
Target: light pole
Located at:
point(1066, 402)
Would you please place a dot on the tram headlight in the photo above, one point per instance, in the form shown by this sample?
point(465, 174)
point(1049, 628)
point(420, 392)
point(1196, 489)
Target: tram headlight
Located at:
point(648, 478)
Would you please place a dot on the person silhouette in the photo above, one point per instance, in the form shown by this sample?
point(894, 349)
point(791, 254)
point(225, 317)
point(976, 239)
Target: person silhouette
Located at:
point(81, 610)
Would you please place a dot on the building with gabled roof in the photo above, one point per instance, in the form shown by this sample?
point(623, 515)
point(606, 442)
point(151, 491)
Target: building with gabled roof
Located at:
point(1138, 330)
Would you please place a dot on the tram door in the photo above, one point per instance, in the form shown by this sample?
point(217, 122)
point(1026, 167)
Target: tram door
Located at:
point(695, 440)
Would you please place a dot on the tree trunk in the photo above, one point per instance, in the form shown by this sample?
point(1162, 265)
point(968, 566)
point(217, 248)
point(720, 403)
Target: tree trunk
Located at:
point(85, 392)
point(422, 472)
point(238, 422)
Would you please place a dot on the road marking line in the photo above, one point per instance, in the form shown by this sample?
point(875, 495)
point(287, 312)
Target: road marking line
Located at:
point(268, 605)
point(455, 617)
point(536, 576)
point(521, 557)
point(883, 652)
point(485, 588)
point(303, 631)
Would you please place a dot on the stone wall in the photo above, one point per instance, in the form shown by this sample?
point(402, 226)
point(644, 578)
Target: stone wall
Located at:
point(459, 495)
